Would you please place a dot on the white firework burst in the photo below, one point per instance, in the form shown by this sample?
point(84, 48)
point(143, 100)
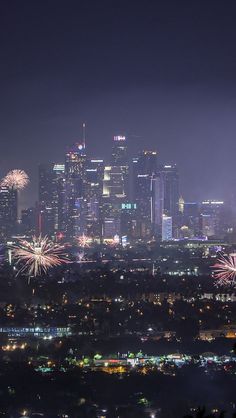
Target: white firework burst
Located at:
point(38, 256)
point(84, 241)
point(15, 179)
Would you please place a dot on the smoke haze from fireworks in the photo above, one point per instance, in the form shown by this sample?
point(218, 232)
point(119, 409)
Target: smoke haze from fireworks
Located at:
point(38, 256)
point(225, 270)
point(15, 179)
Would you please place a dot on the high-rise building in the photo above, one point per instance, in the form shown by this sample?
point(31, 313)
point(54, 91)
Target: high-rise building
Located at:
point(114, 191)
point(51, 208)
point(191, 219)
point(75, 174)
point(8, 212)
point(119, 159)
point(165, 197)
point(113, 182)
point(129, 221)
point(166, 234)
point(171, 191)
point(157, 202)
point(212, 220)
point(94, 174)
point(45, 209)
point(111, 228)
point(59, 197)
point(144, 168)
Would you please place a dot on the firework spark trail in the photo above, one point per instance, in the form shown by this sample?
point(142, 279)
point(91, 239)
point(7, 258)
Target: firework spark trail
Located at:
point(38, 256)
point(225, 270)
point(15, 179)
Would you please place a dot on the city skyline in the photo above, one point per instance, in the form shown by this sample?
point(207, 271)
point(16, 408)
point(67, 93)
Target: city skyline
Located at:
point(30, 195)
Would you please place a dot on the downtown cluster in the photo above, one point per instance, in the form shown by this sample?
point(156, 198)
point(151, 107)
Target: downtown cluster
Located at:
point(130, 200)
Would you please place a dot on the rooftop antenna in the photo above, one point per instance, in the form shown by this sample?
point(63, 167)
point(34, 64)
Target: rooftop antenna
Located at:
point(84, 126)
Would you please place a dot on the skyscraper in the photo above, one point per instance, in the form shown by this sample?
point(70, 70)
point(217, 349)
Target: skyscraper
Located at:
point(75, 174)
point(59, 197)
point(115, 188)
point(8, 212)
point(166, 230)
point(93, 196)
point(45, 210)
point(51, 210)
point(144, 168)
point(212, 218)
point(119, 159)
point(165, 197)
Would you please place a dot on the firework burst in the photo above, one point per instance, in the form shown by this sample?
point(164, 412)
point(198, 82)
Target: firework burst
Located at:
point(15, 179)
point(225, 270)
point(84, 241)
point(38, 256)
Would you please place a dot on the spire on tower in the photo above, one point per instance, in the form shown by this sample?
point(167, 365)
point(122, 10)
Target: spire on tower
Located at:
point(84, 137)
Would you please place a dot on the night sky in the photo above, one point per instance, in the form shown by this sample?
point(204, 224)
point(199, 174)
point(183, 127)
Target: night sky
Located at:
point(162, 72)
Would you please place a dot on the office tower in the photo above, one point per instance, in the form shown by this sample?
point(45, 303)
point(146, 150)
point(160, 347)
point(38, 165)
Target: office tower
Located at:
point(212, 219)
point(157, 202)
point(51, 208)
point(8, 212)
point(115, 189)
point(111, 216)
point(129, 221)
point(190, 220)
point(166, 234)
point(165, 197)
point(112, 199)
point(75, 175)
point(111, 228)
point(59, 197)
point(119, 159)
point(144, 168)
point(45, 215)
point(113, 182)
point(93, 196)
point(171, 191)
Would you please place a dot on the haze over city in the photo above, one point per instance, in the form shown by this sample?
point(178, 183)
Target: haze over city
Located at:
point(161, 73)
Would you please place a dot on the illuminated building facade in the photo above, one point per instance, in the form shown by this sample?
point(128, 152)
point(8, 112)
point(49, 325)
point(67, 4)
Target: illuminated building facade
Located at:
point(119, 159)
point(93, 196)
point(165, 197)
point(166, 231)
point(51, 210)
point(144, 168)
point(8, 212)
point(129, 221)
point(75, 175)
point(212, 218)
